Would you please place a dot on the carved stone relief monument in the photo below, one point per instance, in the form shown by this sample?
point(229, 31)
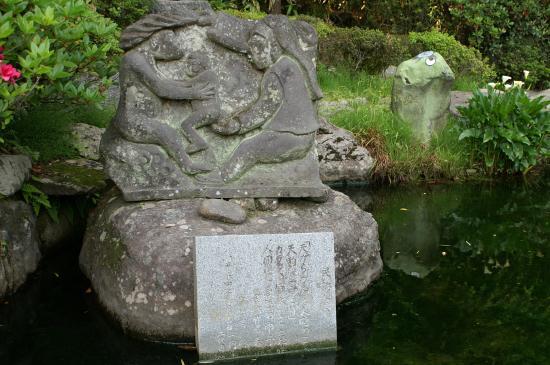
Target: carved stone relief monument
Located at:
point(215, 106)
point(214, 130)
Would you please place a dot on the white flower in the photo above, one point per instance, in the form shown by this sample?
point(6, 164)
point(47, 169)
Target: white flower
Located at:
point(492, 84)
point(505, 78)
point(507, 86)
point(525, 74)
point(518, 84)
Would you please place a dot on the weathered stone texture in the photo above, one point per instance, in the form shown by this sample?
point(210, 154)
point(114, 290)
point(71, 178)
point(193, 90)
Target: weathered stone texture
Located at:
point(19, 253)
point(265, 285)
point(341, 158)
point(14, 171)
point(86, 139)
point(222, 210)
point(216, 107)
point(71, 177)
point(139, 256)
point(267, 203)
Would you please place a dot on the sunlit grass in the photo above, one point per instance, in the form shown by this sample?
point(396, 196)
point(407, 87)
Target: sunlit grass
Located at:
point(400, 157)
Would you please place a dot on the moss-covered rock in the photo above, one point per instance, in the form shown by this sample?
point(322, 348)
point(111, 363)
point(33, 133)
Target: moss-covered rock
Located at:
point(139, 255)
point(19, 253)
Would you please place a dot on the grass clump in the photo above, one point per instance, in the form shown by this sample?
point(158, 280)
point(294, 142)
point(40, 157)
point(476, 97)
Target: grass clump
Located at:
point(339, 83)
point(44, 130)
point(390, 141)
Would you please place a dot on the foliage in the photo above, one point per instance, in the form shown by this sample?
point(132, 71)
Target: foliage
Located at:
point(288, 7)
point(242, 5)
point(361, 49)
point(124, 12)
point(392, 16)
point(372, 50)
point(507, 131)
point(252, 15)
point(63, 49)
point(36, 198)
point(514, 34)
point(462, 59)
point(322, 27)
point(45, 129)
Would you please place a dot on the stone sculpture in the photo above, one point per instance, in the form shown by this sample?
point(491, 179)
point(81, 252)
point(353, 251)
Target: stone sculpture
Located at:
point(211, 106)
point(215, 106)
point(421, 93)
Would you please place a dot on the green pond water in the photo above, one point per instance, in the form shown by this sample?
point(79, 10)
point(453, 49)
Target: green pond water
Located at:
point(466, 281)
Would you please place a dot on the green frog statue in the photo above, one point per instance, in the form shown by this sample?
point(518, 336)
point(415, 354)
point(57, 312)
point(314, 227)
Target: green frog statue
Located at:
point(421, 93)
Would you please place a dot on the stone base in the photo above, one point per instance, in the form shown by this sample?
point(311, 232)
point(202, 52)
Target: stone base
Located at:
point(139, 256)
point(143, 172)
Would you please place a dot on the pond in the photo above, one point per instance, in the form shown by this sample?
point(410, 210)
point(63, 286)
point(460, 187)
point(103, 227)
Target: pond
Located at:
point(466, 281)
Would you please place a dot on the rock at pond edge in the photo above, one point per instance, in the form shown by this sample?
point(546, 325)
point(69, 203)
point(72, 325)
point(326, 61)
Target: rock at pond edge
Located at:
point(139, 256)
point(14, 171)
point(19, 252)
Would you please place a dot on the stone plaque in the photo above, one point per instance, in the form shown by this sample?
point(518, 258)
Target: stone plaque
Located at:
point(264, 294)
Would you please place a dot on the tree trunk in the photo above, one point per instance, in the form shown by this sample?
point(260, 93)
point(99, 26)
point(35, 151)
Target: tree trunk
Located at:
point(275, 6)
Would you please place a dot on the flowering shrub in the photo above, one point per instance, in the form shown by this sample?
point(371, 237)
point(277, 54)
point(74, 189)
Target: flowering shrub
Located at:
point(8, 73)
point(55, 51)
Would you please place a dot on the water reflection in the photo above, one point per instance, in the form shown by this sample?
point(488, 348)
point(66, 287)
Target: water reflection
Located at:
point(478, 294)
point(318, 358)
point(466, 282)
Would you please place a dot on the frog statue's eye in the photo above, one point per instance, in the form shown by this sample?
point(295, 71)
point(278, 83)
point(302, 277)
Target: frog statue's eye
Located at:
point(430, 61)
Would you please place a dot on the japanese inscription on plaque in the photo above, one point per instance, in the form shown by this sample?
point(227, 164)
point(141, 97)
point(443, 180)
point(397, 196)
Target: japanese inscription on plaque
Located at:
point(262, 294)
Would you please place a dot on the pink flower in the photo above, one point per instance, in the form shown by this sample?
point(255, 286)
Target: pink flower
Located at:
point(9, 73)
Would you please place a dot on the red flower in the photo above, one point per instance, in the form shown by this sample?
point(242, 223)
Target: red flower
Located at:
point(9, 73)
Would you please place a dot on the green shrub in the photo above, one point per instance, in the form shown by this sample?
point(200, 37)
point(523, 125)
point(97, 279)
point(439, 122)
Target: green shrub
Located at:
point(254, 6)
point(251, 15)
point(63, 49)
point(513, 34)
point(463, 60)
point(321, 27)
point(507, 132)
point(361, 49)
point(391, 16)
point(123, 12)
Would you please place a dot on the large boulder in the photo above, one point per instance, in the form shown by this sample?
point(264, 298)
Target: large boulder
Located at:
point(139, 256)
point(19, 253)
point(341, 158)
point(14, 171)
